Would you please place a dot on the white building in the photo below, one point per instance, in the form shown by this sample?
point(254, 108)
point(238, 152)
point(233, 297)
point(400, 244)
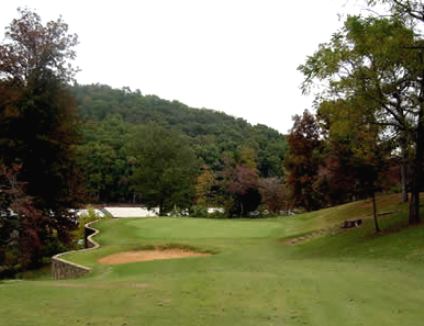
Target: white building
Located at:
point(212, 210)
point(137, 211)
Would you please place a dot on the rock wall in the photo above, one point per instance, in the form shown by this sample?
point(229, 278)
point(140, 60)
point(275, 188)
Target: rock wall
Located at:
point(89, 233)
point(63, 269)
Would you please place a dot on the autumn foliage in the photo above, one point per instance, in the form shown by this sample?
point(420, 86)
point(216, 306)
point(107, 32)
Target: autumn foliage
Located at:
point(38, 132)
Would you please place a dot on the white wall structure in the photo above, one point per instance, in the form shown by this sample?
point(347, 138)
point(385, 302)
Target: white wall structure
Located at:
point(138, 211)
point(212, 210)
point(84, 212)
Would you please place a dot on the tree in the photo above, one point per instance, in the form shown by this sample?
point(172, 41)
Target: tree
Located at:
point(412, 13)
point(34, 52)
point(272, 194)
point(38, 121)
point(204, 184)
point(247, 157)
point(166, 168)
point(353, 145)
point(243, 186)
point(411, 9)
point(370, 60)
point(104, 160)
point(99, 162)
point(21, 224)
point(302, 161)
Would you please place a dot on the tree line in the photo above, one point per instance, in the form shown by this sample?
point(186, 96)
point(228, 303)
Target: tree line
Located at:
point(119, 124)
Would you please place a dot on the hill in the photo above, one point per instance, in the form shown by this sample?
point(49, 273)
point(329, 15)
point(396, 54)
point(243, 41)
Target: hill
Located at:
point(111, 117)
point(212, 133)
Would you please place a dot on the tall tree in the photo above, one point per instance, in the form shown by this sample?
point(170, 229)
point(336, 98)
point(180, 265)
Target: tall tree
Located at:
point(272, 194)
point(166, 168)
point(371, 60)
point(38, 121)
point(243, 185)
point(302, 161)
point(412, 12)
point(353, 142)
point(105, 161)
point(204, 184)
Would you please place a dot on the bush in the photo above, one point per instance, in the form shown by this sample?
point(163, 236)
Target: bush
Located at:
point(199, 211)
point(78, 234)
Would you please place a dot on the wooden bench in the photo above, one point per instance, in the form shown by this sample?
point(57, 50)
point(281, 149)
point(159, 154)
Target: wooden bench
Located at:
point(351, 223)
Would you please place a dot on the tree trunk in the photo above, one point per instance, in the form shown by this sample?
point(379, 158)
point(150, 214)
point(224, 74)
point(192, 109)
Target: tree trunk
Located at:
point(404, 171)
point(374, 213)
point(414, 204)
point(161, 207)
point(403, 181)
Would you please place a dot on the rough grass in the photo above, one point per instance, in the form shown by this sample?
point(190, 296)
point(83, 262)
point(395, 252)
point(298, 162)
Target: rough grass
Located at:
point(256, 277)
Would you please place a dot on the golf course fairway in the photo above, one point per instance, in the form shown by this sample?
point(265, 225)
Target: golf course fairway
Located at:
point(297, 270)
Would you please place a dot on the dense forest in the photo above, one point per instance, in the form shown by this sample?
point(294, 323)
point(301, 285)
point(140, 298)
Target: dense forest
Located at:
point(112, 118)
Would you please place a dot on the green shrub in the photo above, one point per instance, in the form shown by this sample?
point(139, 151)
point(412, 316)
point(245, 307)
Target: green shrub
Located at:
point(199, 211)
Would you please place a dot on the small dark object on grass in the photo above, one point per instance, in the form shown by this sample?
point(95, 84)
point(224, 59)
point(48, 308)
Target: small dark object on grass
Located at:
point(351, 223)
point(385, 213)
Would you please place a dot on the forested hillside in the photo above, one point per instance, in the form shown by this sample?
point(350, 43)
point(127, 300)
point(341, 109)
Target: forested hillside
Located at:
point(111, 118)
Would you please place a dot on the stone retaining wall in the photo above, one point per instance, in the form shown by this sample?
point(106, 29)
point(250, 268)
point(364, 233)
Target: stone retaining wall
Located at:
point(89, 233)
point(63, 269)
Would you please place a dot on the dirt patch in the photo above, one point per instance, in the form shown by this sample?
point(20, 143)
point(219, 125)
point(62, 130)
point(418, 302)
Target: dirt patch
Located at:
point(147, 255)
point(98, 286)
point(312, 235)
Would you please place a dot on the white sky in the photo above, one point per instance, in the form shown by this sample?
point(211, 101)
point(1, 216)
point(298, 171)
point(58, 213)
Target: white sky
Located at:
point(236, 56)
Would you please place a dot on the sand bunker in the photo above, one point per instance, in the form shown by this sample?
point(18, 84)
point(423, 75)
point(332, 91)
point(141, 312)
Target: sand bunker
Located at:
point(146, 255)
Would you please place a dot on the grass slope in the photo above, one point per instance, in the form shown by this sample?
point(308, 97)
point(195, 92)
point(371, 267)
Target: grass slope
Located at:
point(331, 277)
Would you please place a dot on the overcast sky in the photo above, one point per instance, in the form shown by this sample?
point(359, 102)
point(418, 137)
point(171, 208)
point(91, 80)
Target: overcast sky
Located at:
point(236, 56)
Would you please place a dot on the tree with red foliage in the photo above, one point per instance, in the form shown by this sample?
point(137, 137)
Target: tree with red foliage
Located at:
point(272, 194)
point(20, 223)
point(303, 160)
point(243, 187)
point(39, 126)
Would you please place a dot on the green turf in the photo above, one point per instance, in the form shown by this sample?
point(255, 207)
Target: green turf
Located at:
point(255, 277)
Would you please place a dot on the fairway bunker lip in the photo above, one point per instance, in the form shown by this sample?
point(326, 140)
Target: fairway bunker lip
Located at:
point(135, 256)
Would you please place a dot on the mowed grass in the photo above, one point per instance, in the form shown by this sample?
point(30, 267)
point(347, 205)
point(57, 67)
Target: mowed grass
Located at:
point(254, 277)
